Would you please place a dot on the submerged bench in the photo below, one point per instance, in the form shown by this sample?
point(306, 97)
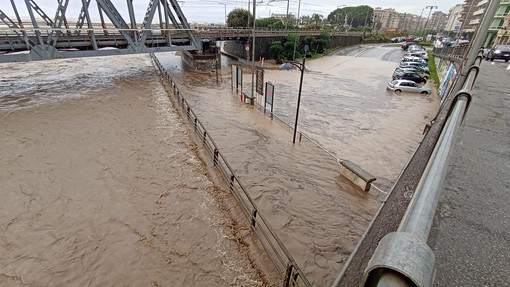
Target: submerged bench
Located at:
point(356, 175)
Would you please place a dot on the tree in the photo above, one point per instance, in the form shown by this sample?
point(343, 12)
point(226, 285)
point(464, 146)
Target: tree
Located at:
point(277, 52)
point(239, 18)
point(317, 20)
point(352, 16)
point(305, 20)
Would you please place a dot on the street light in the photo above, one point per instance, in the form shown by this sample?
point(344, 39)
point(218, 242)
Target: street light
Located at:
point(301, 67)
point(426, 22)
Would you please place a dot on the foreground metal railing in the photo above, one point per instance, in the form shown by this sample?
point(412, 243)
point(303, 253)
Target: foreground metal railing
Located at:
point(403, 258)
point(293, 276)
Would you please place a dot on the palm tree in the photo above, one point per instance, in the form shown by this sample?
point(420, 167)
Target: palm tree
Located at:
point(317, 19)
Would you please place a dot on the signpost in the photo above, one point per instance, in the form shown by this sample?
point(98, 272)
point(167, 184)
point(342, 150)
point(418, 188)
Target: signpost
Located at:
point(260, 81)
point(237, 78)
point(233, 78)
point(269, 99)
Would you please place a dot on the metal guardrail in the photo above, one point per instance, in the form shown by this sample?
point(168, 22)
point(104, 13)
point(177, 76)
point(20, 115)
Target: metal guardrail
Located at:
point(403, 258)
point(456, 54)
point(293, 276)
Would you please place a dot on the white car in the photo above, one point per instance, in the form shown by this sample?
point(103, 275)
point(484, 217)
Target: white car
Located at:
point(414, 64)
point(399, 86)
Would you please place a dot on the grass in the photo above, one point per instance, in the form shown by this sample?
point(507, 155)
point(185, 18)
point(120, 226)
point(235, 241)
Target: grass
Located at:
point(432, 69)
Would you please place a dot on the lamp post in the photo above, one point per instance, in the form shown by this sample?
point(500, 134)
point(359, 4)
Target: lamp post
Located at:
point(419, 20)
point(426, 22)
point(297, 35)
point(301, 67)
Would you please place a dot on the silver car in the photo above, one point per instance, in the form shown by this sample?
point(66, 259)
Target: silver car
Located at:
point(407, 86)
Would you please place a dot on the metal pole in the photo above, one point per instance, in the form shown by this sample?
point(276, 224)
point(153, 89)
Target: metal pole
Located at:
point(299, 98)
point(253, 51)
point(426, 22)
point(225, 5)
point(419, 20)
point(365, 25)
point(302, 69)
point(297, 25)
point(287, 17)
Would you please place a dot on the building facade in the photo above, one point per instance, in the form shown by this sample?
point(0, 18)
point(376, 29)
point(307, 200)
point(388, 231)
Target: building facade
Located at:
point(454, 21)
point(498, 25)
point(468, 19)
point(437, 21)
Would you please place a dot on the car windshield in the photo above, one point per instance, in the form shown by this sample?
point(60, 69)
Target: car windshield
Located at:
point(503, 47)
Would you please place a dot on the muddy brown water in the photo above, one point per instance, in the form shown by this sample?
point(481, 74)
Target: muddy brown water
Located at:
point(315, 211)
point(102, 186)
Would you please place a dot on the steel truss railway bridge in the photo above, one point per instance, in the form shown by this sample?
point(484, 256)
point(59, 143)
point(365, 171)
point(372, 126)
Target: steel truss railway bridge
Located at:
point(164, 28)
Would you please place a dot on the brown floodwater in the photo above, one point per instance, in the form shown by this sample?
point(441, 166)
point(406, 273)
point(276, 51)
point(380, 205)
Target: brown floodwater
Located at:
point(102, 184)
point(318, 214)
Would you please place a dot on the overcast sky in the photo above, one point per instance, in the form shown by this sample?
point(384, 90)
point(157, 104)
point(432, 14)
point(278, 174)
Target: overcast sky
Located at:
point(213, 11)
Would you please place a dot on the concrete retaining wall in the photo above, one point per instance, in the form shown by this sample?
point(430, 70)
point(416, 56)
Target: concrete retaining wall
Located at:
point(262, 45)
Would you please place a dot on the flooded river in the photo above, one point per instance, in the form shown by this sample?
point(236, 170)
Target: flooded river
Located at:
point(102, 184)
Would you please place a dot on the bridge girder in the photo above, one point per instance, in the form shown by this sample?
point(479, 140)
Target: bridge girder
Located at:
point(52, 39)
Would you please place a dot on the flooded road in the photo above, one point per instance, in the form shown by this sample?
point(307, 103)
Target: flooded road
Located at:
point(317, 213)
point(102, 185)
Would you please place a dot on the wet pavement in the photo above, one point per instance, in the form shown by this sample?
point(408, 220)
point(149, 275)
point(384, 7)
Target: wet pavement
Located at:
point(471, 234)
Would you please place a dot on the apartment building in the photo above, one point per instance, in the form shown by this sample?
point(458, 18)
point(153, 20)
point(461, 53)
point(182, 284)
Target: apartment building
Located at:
point(468, 19)
point(454, 21)
point(503, 34)
point(394, 22)
point(437, 21)
point(498, 22)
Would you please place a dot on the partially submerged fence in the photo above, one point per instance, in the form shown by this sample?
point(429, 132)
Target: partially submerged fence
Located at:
point(293, 276)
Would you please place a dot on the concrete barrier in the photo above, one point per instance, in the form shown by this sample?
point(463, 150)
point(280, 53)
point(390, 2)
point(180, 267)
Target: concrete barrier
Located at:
point(356, 175)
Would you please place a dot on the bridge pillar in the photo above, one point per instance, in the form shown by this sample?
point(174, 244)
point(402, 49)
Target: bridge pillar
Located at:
point(208, 58)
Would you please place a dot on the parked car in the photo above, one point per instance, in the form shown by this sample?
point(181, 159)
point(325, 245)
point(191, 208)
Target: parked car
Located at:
point(499, 52)
point(422, 65)
point(407, 44)
point(406, 86)
point(415, 70)
point(422, 54)
point(411, 76)
point(415, 48)
point(413, 59)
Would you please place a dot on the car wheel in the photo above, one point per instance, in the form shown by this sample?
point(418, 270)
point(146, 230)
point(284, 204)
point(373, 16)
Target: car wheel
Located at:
point(423, 92)
point(398, 91)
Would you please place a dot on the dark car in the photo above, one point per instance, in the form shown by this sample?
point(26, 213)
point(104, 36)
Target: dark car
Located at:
point(409, 76)
point(407, 44)
point(499, 52)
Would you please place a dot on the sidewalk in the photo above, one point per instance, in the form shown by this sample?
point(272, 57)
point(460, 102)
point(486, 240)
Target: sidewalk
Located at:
point(471, 234)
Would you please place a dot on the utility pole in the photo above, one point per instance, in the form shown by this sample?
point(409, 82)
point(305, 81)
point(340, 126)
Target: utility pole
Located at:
point(426, 22)
point(365, 25)
point(419, 20)
point(287, 16)
point(297, 35)
point(253, 51)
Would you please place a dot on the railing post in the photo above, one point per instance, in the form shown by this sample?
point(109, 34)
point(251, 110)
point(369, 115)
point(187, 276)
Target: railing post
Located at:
point(231, 183)
point(215, 156)
point(254, 217)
